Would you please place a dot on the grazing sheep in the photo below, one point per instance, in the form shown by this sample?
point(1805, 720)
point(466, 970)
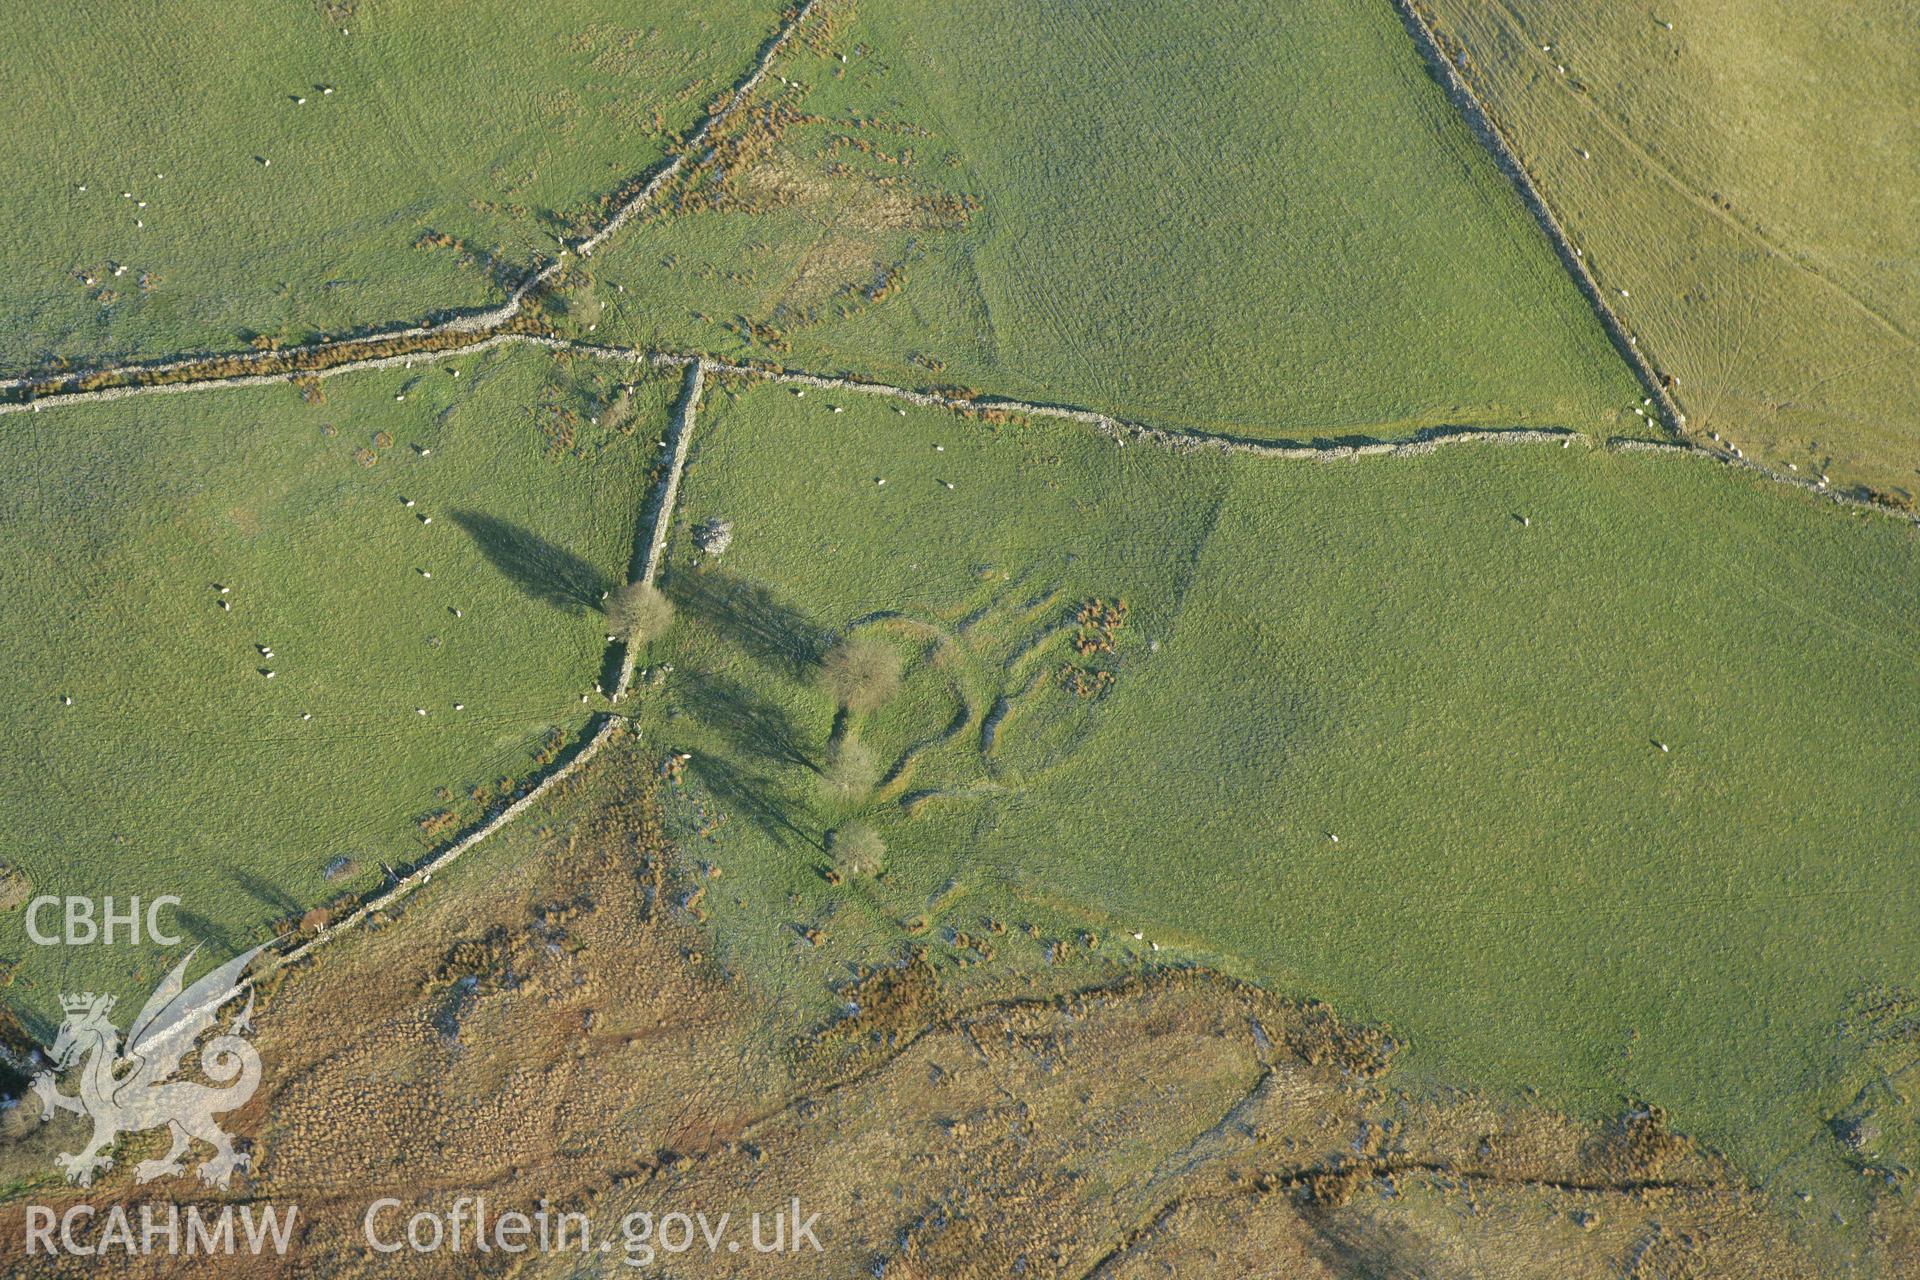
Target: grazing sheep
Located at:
point(459, 706)
point(225, 607)
point(419, 711)
point(66, 700)
point(269, 674)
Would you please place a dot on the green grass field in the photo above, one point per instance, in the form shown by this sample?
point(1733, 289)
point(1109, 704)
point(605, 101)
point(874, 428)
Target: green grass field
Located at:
point(1260, 219)
point(1734, 174)
point(1525, 885)
point(179, 767)
point(498, 126)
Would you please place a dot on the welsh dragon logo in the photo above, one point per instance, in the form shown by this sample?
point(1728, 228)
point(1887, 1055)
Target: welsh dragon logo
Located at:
point(132, 1089)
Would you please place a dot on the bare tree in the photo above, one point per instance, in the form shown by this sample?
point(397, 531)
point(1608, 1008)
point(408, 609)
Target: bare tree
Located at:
point(861, 673)
point(850, 772)
point(857, 850)
point(639, 613)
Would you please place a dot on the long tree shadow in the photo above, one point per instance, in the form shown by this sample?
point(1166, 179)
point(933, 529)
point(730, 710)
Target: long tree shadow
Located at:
point(548, 573)
point(756, 729)
point(747, 613)
point(265, 892)
point(755, 796)
point(1352, 1242)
